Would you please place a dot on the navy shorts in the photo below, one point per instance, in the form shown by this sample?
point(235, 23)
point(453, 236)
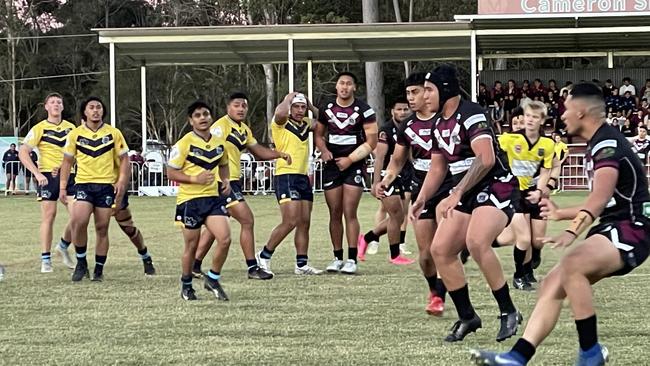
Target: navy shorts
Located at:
point(50, 191)
point(235, 195)
point(499, 192)
point(353, 176)
point(293, 187)
point(193, 213)
point(526, 207)
point(429, 210)
point(632, 239)
point(100, 195)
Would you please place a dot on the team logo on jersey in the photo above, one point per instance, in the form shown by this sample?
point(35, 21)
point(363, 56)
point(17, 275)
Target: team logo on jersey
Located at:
point(482, 197)
point(106, 139)
point(83, 142)
point(518, 149)
point(424, 132)
point(342, 115)
point(540, 152)
point(217, 131)
point(453, 141)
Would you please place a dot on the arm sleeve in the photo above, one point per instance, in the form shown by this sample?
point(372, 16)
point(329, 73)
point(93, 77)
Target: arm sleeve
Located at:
point(121, 147)
point(177, 156)
point(70, 147)
point(33, 137)
point(605, 154)
point(250, 140)
point(369, 115)
point(476, 124)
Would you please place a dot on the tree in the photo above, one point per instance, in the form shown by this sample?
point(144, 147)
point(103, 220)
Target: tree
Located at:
point(374, 70)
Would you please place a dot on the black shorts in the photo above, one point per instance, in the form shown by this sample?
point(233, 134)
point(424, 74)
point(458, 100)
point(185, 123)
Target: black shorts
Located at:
point(28, 173)
point(354, 175)
point(499, 192)
point(100, 195)
point(429, 211)
point(193, 213)
point(525, 207)
point(50, 191)
point(406, 175)
point(396, 188)
point(632, 239)
point(293, 187)
point(12, 167)
point(235, 195)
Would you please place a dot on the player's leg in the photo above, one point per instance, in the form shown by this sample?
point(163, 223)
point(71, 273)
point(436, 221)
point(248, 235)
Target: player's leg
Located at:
point(301, 240)
point(424, 230)
point(393, 206)
point(66, 237)
point(290, 211)
point(243, 214)
point(191, 238)
point(334, 200)
point(102, 217)
point(205, 243)
point(81, 211)
point(124, 219)
point(380, 215)
point(505, 238)
point(521, 227)
point(7, 181)
point(219, 227)
point(371, 238)
point(539, 231)
point(48, 214)
point(351, 198)
point(406, 202)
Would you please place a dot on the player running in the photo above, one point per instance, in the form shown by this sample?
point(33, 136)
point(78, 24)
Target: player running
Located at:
point(479, 206)
point(290, 130)
point(195, 161)
point(99, 188)
point(49, 137)
point(618, 244)
point(351, 129)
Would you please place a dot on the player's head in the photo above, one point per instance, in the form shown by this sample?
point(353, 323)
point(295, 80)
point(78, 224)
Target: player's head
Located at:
point(199, 116)
point(517, 121)
point(441, 85)
point(92, 110)
point(534, 115)
point(584, 106)
point(12, 147)
point(237, 106)
point(298, 107)
point(556, 137)
point(53, 105)
point(400, 109)
point(346, 85)
point(415, 91)
point(643, 132)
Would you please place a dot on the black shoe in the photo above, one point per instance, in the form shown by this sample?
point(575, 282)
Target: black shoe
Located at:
point(464, 255)
point(257, 273)
point(462, 328)
point(530, 278)
point(149, 269)
point(187, 294)
point(509, 324)
point(520, 283)
point(216, 289)
point(80, 271)
point(98, 277)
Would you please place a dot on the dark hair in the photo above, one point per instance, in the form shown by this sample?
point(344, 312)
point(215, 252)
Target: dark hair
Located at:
point(552, 81)
point(519, 111)
point(237, 95)
point(347, 73)
point(498, 82)
point(538, 80)
point(627, 78)
point(512, 81)
point(608, 81)
point(198, 105)
point(587, 90)
point(82, 107)
point(483, 85)
point(643, 127)
point(12, 144)
point(526, 81)
point(415, 79)
point(399, 100)
point(568, 83)
point(52, 95)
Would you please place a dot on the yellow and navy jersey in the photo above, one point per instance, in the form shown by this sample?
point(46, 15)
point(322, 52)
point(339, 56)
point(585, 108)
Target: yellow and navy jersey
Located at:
point(49, 138)
point(561, 150)
point(192, 155)
point(525, 158)
point(292, 138)
point(96, 153)
point(237, 137)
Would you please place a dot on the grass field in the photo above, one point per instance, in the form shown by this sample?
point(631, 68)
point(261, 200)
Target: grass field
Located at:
point(376, 317)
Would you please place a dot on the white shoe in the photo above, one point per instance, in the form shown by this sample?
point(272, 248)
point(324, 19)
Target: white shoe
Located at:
point(2, 272)
point(264, 264)
point(373, 248)
point(65, 257)
point(335, 266)
point(404, 250)
point(46, 267)
point(307, 270)
point(349, 267)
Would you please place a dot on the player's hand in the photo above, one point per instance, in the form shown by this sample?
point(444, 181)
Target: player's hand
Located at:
point(119, 189)
point(534, 197)
point(548, 209)
point(377, 190)
point(40, 179)
point(225, 187)
point(343, 163)
point(416, 209)
point(326, 155)
point(446, 207)
point(63, 196)
point(204, 178)
point(561, 241)
point(286, 157)
point(55, 171)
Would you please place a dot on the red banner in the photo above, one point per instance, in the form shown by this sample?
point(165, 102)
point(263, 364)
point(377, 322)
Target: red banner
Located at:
point(561, 6)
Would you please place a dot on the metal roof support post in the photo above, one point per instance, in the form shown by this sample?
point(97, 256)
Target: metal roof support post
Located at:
point(610, 60)
point(473, 67)
point(143, 106)
point(290, 57)
point(111, 63)
point(310, 95)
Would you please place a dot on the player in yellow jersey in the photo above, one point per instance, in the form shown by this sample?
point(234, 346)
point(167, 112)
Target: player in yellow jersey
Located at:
point(232, 128)
point(194, 162)
point(561, 154)
point(527, 153)
point(49, 137)
point(290, 130)
point(99, 188)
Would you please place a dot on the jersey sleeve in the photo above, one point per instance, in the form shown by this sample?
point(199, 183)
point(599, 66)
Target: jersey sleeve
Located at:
point(121, 147)
point(177, 156)
point(505, 142)
point(476, 125)
point(369, 115)
point(224, 158)
point(217, 129)
point(33, 137)
point(250, 139)
point(70, 148)
point(605, 154)
point(322, 115)
point(384, 135)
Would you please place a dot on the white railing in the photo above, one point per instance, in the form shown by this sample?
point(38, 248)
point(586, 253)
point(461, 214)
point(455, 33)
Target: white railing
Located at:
point(24, 184)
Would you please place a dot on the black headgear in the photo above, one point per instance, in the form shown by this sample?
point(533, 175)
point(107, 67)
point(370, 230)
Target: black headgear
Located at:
point(444, 77)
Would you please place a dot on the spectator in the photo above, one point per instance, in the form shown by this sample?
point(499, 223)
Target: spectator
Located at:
point(137, 157)
point(497, 92)
point(567, 87)
point(613, 102)
point(552, 87)
point(645, 91)
point(539, 91)
point(628, 104)
point(496, 114)
point(637, 119)
point(560, 103)
point(512, 88)
point(550, 97)
point(553, 116)
point(484, 97)
point(28, 174)
point(645, 106)
point(525, 91)
point(610, 118)
point(509, 105)
point(620, 119)
point(627, 86)
point(11, 164)
point(608, 88)
point(627, 129)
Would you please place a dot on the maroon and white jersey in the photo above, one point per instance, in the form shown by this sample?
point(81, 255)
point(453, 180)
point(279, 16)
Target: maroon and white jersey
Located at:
point(416, 134)
point(453, 138)
point(641, 148)
point(345, 125)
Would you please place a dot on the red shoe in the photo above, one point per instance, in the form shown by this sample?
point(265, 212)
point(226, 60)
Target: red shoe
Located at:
point(400, 260)
point(436, 306)
point(362, 246)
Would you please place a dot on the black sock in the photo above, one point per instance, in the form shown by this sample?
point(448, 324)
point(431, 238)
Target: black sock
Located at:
point(352, 254)
point(528, 268)
point(46, 256)
point(402, 236)
point(502, 296)
point(441, 289)
point(524, 348)
point(537, 254)
point(587, 332)
point(496, 244)
point(144, 253)
point(301, 260)
point(186, 281)
point(251, 263)
point(394, 250)
point(462, 303)
point(266, 253)
point(197, 265)
point(519, 256)
point(64, 243)
point(81, 253)
point(432, 281)
point(371, 236)
point(338, 254)
point(100, 260)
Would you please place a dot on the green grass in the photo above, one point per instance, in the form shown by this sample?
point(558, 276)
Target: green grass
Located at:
point(373, 318)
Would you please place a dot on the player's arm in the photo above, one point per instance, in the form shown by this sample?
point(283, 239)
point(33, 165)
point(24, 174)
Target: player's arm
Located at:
point(482, 164)
point(556, 170)
point(361, 152)
point(432, 181)
point(26, 159)
point(397, 161)
point(380, 155)
point(319, 141)
point(264, 153)
point(64, 176)
point(224, 174)
point(281, 115)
